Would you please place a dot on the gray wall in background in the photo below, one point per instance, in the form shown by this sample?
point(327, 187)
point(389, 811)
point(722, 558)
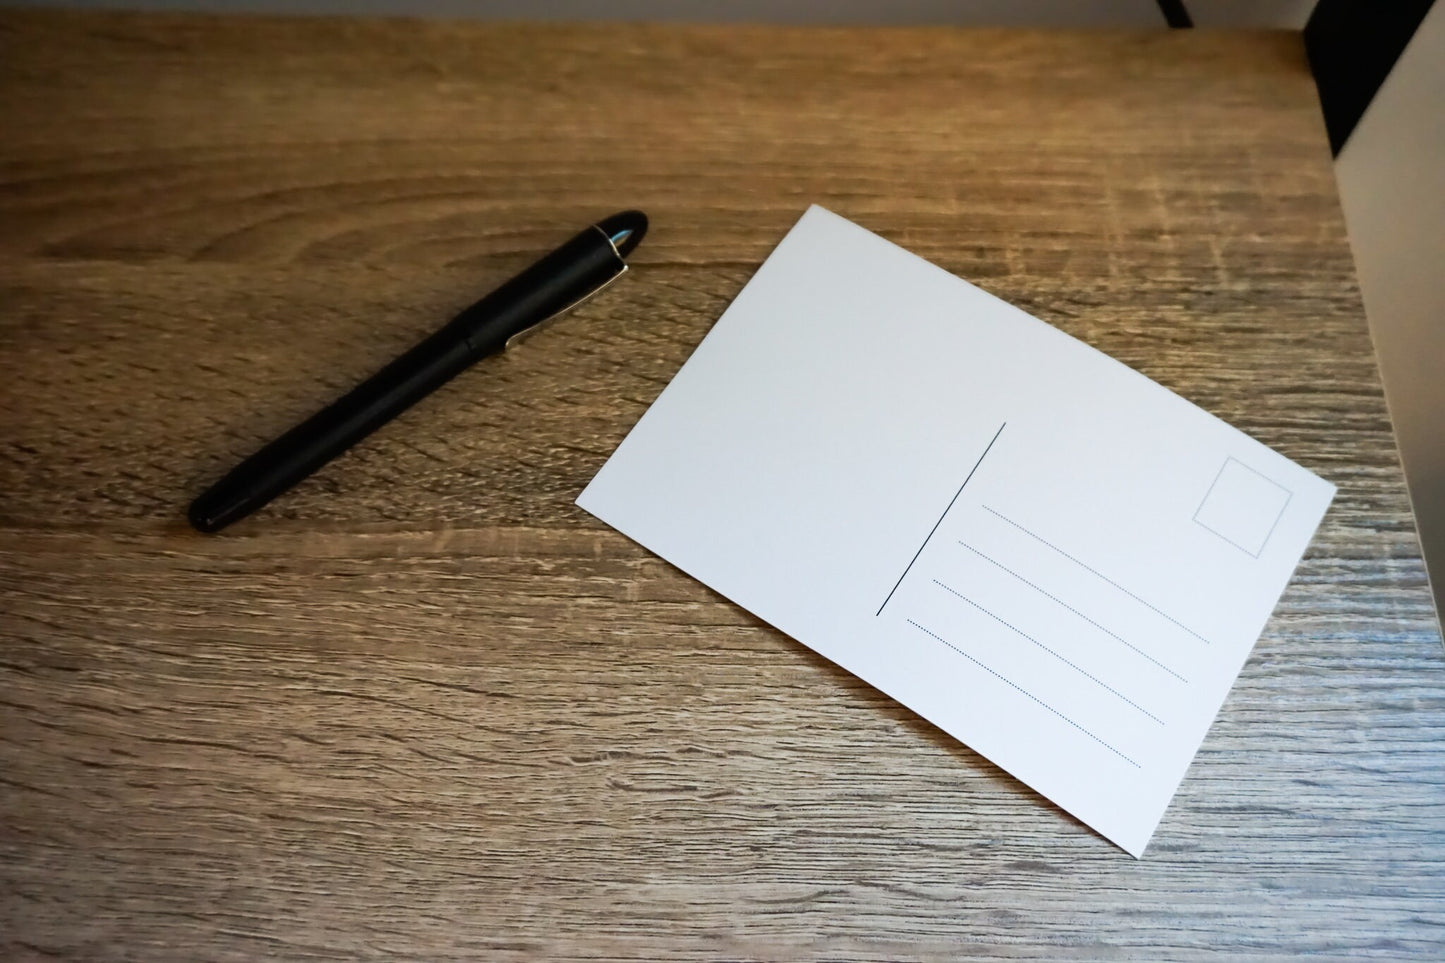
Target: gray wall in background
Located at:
point(1053, 13)
point(1392, 185)
point(1289, 14)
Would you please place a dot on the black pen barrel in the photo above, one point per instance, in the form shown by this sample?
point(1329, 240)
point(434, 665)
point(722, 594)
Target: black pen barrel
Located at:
point(556, 282)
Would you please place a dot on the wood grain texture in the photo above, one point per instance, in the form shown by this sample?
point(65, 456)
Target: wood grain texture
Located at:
point(424, 707)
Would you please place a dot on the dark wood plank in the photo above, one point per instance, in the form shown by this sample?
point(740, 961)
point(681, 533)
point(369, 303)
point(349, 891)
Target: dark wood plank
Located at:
point(425, 707)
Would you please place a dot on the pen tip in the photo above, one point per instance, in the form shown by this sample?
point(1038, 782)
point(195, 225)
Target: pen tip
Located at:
point(625, 230)
point(201, 519)
point(216, 508)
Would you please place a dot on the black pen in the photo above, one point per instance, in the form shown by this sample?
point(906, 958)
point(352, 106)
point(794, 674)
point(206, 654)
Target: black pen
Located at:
point(559, 281)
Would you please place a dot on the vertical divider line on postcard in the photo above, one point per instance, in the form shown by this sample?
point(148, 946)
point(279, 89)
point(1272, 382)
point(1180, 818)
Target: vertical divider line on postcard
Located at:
point(931, 531)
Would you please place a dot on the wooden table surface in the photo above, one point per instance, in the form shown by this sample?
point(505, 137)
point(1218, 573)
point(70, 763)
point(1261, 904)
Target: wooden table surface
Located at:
point(424, 707)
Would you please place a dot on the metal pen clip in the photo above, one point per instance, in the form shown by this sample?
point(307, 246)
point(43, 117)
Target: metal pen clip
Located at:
point(526, 332)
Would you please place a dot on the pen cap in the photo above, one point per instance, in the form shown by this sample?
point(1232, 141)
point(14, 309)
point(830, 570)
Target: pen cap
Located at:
point(560, 280)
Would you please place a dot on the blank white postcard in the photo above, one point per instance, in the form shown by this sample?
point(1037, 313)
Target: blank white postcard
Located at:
point(1052, 558)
